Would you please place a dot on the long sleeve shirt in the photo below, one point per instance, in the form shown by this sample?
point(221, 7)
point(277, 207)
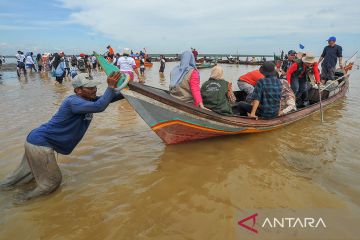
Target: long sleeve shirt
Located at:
point(29, 60)
point(294, 67)
point(68, 126)
point(195, 87)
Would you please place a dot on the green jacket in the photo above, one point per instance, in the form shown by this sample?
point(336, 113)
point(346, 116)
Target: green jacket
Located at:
point(214, 95)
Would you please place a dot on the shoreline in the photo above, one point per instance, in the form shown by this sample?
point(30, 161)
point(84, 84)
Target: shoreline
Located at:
point(6, 67)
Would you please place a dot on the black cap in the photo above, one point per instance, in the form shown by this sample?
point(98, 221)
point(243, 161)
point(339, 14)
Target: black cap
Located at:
point(268, 69)
point(291, 52)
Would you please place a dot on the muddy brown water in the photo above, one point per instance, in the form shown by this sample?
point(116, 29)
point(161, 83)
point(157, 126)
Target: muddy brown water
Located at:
point(123, 182)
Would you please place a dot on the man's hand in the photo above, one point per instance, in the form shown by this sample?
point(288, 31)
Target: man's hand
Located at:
point(113, 79)
point(250, 115)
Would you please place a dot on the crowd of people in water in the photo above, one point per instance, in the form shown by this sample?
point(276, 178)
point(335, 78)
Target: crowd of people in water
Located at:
point(61, 66)
point(273, 90)
point(277, 88)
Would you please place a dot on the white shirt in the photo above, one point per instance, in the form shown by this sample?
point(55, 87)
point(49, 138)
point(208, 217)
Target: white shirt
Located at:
point(20, 57)
point(126, 64)
point(29, 60)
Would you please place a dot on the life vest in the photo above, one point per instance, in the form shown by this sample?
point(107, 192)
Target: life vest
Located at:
point(300, 69)
point(214, 95)
point(252, 77)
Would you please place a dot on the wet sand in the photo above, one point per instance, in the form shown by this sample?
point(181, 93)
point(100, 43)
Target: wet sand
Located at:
point(122, 182)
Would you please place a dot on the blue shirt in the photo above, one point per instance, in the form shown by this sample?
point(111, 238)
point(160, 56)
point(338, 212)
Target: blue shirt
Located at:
point(330, 55)
point(59, 71)
point(268, 92)
point(68, 126)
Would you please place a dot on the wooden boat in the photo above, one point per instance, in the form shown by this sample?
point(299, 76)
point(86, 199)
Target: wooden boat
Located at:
point(175, 121)
point(147, 64)
point(205, 65)
point(251, 63)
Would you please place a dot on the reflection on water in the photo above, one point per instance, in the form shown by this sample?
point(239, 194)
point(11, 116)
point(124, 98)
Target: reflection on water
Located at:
point(122, 182)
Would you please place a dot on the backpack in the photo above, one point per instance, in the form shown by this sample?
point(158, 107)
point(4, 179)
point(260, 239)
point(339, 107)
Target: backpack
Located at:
point(81, 64)
point(73, 61)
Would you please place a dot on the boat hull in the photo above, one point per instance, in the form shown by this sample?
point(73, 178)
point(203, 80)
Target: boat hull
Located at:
point(147, 64)
point(174, 126)
point(175, 123)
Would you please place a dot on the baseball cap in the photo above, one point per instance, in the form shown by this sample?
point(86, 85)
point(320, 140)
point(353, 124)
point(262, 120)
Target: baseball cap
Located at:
point(83, 80)
point(291, 52)
point(332, 38)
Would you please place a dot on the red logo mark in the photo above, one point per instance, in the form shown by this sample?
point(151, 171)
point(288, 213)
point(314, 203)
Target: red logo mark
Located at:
point(253, 217)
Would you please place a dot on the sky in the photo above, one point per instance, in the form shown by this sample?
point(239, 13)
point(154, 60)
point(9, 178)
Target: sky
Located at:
point(167, 26)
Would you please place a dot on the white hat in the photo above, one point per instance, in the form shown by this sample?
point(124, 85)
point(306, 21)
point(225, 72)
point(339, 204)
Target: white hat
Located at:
point(309, 58)
point(83, 80)
point(126, 51)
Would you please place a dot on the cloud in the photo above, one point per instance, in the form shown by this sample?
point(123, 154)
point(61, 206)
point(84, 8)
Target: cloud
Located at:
point(163, 24)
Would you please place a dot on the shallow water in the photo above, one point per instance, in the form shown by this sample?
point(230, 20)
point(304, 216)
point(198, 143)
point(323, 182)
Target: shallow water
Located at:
point(122, 182)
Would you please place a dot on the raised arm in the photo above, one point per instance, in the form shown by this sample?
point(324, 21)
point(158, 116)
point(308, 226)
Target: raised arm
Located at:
point(81, 106)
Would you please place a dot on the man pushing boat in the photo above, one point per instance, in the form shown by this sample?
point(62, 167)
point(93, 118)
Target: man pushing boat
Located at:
point(61, 134)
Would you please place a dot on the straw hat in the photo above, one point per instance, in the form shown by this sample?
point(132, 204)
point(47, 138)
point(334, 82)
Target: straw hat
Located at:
point(309, 58)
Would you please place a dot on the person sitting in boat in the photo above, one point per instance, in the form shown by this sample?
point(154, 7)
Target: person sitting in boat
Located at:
point(298, 74)
point(288, 99)
point(217, 93)
point(185, 81)
point(266, 96)
point(278, 66)
point(127, 65)
point(247, 82)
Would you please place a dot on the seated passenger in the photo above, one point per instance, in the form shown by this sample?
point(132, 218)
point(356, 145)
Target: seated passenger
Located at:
point(288, 100)
point(248, 81)
point(185, 81)
point(217, 93)
point(266, 96)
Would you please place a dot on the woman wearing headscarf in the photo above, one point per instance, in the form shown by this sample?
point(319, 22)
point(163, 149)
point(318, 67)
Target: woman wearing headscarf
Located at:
point(185, 81)
point(217, 93)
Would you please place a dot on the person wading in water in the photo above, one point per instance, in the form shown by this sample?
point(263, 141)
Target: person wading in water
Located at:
point(61, 134)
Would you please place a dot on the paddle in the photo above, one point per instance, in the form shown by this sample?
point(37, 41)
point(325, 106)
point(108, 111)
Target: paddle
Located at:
point(321, 110)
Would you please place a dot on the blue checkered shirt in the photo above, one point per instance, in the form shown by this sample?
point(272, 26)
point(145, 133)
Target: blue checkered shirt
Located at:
point(268, 92)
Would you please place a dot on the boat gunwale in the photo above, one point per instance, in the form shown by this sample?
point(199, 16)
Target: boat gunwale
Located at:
point(167, 99)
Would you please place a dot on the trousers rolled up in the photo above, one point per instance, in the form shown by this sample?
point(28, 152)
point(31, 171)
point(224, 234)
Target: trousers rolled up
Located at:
point(246, 87)
point(38, 163)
